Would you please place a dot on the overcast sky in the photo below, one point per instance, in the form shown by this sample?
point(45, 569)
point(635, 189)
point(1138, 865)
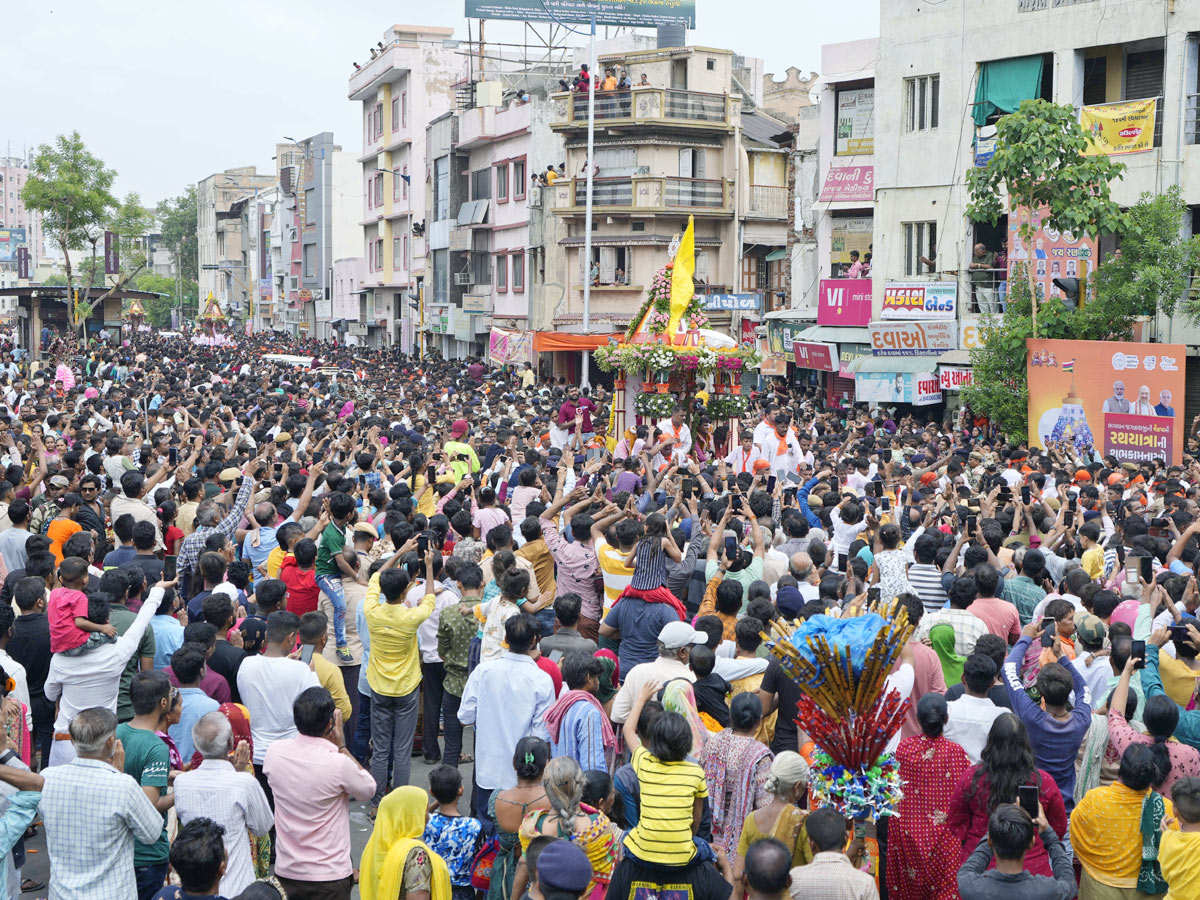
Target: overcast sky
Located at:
point(170, 92)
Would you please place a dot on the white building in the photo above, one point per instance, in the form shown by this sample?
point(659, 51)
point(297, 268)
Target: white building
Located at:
point(222, 259)
point(17, 223)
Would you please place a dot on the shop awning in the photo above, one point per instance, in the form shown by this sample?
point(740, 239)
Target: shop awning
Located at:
point(797, 314)
point(955, 358)
point(1004, 83)
point(781, 253)
point(550, 341)
point(911, 364)
point(837, 334)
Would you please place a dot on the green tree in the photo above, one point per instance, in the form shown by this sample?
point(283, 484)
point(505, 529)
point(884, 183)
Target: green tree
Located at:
point(71, 188)
point(1040, 163)
point(129, 223)
point(178, 218)
point(158, 309)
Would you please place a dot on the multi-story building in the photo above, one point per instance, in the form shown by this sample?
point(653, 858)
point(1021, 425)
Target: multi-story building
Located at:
point(21, 226)
point(675, 147)
point(404, 87)
point(223, 259)
point(938, 98)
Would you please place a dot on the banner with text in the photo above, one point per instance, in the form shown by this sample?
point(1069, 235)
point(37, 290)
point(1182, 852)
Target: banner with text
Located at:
point(844, 301)
point(954, 378)
point(627, 13)
point(1052, 254)
point(919, 389)
point(852, 184)
point(1122, 397)
point(816, 355)
point(912, 338)
point(912, 300)
point(1115, 128)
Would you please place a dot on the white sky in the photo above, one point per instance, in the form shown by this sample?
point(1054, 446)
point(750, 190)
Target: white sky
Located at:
point(170, 92)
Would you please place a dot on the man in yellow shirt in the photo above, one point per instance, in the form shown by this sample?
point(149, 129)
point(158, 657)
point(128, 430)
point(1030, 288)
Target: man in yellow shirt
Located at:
point(394, 669)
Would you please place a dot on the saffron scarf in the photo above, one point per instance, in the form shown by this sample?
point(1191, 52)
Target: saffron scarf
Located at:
point(556, 713)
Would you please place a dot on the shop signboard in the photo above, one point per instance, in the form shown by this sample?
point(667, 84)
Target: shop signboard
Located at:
point(855, 122)
point(10, 240)
point(912, 338)
point(844, 301)
point(917, 388)
point(782, 334)
point(919, 300)
point(954, 378)
point(816, 355)
point(1123, 398)
point(730, 302)
point(849, 184)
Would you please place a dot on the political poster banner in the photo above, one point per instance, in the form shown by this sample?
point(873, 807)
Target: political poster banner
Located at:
point(1121, 397)
point(1116, 128)
point(919, 389)
point(1051, 253)
point(626, 13)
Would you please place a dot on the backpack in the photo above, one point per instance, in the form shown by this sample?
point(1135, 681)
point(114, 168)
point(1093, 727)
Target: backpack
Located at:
point(483, 863)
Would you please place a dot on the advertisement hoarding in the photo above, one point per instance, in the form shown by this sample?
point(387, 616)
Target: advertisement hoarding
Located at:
point(816, 355)
point(919, 300)
point(849, 184)
point(919, 389)
point(1121, 397)
point(1116, 128)
point(912, 338)
point(844, 301)
point(10, 240)
point(722, 302)
point(628, 13)
point(1053, 254)
point(855, 122)
point(954, 378)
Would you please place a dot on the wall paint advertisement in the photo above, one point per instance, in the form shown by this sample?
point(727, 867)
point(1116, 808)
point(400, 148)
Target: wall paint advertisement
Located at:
point(772, 363)
point(629, 13)
point(844, 301)
point(970, 335)
point(1117, 128)
point(913, 338)
point(954, 378)
point(916, 300)
point(855, 122)
point(919, 389)
point(10, 240)
point(1122, 397)
point(816, 355)
point(729, 302)
point(1053, 254)
point(855, 184)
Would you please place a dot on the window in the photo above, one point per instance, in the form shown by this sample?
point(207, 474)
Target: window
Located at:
point(310, 206)
point(377, 122)
point(310, 260)
point(691, 163)
point(398, 254)
point(750, 273)
point(502, 183)
point(610, 265)
point(441, 188)
point(441, 276)
point(518, 179)
point(379, 253)
point(481, 184)
point(404, 108)
point(395, 114)
point(501, 273)
point(518, 272)
point(396, 182)
point(404, 183)
point(377, 188)
point(920, 239)
point(921, 103)
point(370, 256)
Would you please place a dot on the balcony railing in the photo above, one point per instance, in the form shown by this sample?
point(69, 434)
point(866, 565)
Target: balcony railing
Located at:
point(987, 294)
point(768, 201)
point(650, 105)
point(646, 193)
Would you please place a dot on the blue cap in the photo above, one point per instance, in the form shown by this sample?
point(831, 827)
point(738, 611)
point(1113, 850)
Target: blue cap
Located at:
point(564, 866)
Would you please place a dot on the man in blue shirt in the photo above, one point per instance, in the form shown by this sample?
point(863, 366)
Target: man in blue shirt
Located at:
point(260, 540)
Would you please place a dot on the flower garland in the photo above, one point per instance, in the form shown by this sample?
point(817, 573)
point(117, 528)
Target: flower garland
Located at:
point(658, 304)
point(699, 360)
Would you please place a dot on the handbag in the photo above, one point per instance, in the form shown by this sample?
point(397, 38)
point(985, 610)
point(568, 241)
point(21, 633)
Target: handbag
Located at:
point(483, 863)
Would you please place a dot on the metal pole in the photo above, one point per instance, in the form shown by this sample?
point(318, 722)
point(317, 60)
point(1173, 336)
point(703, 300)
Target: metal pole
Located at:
point(421, 317)
point(587, 214)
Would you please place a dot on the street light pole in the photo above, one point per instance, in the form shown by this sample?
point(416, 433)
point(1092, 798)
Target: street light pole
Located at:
point(587, 214)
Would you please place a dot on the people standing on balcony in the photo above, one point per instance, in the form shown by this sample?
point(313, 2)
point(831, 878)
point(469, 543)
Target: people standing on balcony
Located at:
point(583, 79)
point(983, 279)
point(645, 82)
point(610, 80)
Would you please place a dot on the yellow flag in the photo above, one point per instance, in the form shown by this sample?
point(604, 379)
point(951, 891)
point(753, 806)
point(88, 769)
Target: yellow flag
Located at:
point(682, 288)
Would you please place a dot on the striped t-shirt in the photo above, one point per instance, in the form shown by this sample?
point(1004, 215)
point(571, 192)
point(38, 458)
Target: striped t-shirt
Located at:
point(926, 580)
point(663, 834)
point(617, 576)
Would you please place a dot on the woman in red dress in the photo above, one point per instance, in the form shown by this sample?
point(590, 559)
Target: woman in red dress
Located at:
point(920, 843)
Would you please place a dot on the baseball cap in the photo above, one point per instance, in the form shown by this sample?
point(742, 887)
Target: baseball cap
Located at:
point(459, 428)
point(677, 635)
point(1090, 628)
point(59, 481)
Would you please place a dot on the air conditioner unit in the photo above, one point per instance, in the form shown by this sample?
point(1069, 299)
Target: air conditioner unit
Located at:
point(463, 278)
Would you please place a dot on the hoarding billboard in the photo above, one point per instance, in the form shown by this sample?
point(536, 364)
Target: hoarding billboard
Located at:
point(628, 13)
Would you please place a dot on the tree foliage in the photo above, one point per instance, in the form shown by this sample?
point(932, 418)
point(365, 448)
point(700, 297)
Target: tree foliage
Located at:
point(158, 309)
point(71, 188)
point(178, 220)
point(1040, 163)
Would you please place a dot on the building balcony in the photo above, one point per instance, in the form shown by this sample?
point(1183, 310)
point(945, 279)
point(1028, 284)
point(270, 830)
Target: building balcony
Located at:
point(648, 194)
point(393, 61)
point(767, 202)
point(484, 124)
point(660, 108)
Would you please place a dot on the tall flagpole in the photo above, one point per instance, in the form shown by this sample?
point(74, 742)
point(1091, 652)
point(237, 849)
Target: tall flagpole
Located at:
point(587, 215)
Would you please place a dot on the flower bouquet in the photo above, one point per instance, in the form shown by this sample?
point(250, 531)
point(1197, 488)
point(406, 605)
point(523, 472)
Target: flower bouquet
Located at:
point(654, 406)
point(728, 406)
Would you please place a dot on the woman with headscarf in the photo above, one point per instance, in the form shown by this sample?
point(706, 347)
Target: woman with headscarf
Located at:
point(736, 765)
point(1006, 763)
point(678, 697)
point(781, 818)
point(1115, 832)
point(941, 638)
point(570, 819)
point(396, 863)
point(919, 841)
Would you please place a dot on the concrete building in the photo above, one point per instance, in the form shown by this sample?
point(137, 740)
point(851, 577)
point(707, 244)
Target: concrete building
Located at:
point(18, 226)
point(787, 97)
point(223, 259)
point(679, 147)
point(408, 84)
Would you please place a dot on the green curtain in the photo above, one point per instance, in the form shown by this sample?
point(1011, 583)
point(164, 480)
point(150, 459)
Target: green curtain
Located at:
point(1003, 84)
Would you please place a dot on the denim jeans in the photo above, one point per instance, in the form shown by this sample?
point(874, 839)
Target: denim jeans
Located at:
point(150, 879)
point(393, 727)
point(360, 743)
point(545, 620)
point(453, 729)
point(432, 675)
point(331, 585)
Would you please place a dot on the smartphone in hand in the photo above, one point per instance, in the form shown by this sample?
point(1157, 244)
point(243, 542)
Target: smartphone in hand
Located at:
point(1138, 654)
point(1027, 797)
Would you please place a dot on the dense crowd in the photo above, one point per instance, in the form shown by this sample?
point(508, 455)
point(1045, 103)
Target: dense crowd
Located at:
point(242, 592)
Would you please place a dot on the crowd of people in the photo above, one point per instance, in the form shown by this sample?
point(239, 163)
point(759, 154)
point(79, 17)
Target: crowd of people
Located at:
point(243, 594)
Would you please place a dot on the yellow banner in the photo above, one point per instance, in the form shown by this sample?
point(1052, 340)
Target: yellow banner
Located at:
point(1116, 128)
